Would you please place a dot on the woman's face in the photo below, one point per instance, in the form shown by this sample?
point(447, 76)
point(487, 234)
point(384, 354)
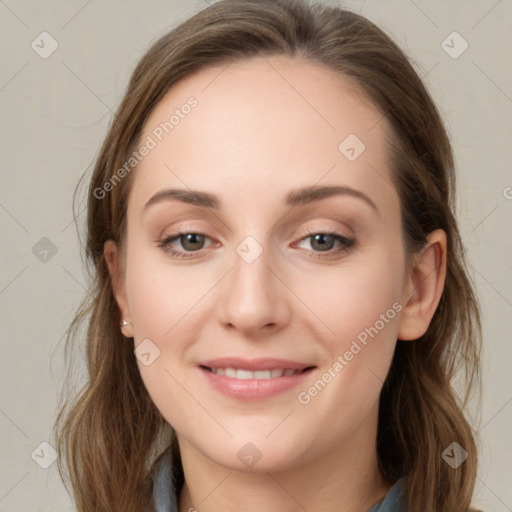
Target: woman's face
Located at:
point(272, 275)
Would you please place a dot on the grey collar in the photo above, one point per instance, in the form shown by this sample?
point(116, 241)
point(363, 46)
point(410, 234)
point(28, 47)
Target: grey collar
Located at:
point(164, 485)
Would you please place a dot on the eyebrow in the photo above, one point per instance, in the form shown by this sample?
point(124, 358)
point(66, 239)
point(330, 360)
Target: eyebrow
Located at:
point(294, 198)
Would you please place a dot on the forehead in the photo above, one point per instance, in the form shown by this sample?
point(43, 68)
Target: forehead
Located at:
point(277, 120)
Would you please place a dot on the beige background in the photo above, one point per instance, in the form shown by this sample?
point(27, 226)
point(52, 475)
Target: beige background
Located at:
point(54, 115)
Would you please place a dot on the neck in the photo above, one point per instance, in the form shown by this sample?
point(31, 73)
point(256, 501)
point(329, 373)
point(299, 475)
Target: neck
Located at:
point(347, 479)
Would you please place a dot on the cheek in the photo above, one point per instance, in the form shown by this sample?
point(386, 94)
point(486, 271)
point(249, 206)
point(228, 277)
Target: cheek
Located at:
point(352, 297)
point(161, 301)
point(161, 295)
point(360, 305)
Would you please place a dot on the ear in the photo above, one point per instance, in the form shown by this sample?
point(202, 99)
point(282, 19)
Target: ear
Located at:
point(424, 287)
point(112, 255)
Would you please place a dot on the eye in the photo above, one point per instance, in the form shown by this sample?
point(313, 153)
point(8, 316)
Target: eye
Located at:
point(325, 242)
point(190, 242)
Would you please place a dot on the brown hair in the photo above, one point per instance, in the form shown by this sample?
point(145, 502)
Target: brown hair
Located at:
point(110, 433)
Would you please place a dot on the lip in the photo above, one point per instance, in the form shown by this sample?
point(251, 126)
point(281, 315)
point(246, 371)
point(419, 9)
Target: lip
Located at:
point(254, 364)
point(254, 389)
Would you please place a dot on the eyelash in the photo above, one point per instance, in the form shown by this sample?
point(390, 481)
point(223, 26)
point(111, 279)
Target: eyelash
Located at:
point(346, 244)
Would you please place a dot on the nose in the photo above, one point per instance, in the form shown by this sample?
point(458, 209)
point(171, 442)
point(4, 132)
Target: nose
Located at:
point(254, 298)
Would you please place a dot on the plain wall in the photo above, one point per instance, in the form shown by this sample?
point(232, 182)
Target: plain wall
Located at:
point(55, 112)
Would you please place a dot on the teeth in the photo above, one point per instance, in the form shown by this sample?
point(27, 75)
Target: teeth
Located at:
point(244, 374)
point(259, 374)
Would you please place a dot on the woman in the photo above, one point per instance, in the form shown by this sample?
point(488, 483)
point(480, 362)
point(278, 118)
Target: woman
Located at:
point(280, 299)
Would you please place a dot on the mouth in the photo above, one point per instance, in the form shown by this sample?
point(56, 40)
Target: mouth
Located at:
point(241, 374)
point(253, 379)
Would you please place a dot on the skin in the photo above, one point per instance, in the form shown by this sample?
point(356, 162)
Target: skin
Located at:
point(262, 128)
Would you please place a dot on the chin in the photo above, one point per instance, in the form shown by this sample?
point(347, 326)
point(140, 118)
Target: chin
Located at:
point(255, 454)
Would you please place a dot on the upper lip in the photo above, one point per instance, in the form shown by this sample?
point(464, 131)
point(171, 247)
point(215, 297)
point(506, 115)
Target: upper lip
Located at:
point(254, 364)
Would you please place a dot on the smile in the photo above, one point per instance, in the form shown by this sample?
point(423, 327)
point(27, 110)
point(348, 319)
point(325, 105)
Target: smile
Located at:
point(243, 379)
point(235, 373)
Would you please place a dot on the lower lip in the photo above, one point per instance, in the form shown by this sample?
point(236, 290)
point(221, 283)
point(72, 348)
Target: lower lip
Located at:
point(252, 389)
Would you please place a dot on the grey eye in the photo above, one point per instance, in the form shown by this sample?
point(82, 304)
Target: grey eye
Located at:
point(192, 241)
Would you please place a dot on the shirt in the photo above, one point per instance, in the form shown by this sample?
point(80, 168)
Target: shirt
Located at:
point(165, 496)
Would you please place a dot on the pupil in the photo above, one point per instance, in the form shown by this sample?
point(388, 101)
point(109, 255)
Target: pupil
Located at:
point(323, 245)
point(193, 239)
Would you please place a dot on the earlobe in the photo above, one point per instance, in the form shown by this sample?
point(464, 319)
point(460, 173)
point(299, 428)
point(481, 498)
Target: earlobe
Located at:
point(112, 256)
point(424, 287)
